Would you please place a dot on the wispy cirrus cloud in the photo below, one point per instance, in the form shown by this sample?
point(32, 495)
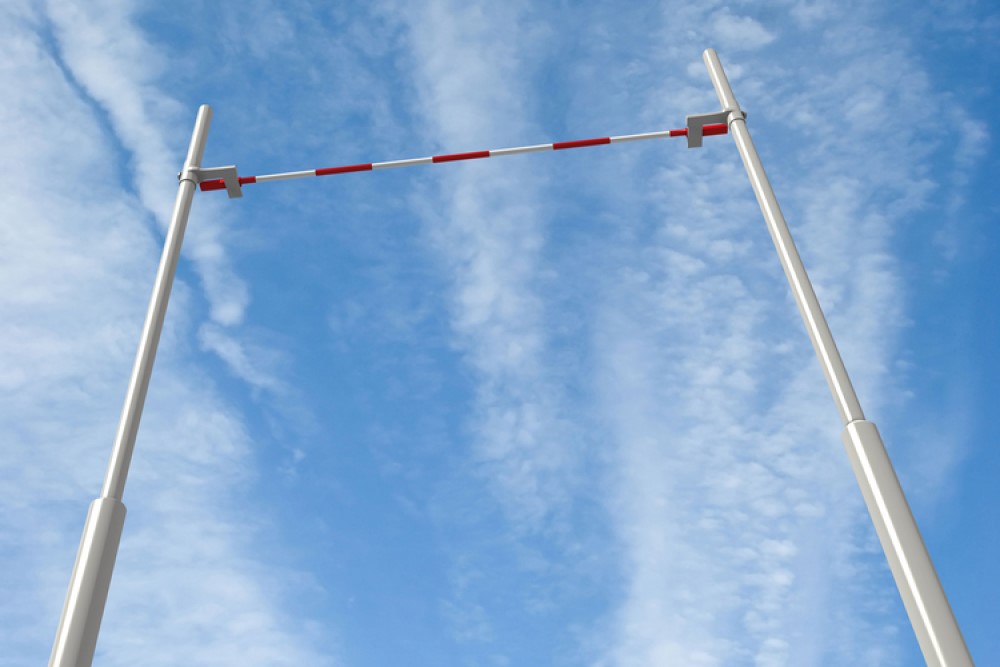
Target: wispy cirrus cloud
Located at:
point(738, 33)
point(487, 227)
point(118, 69)
point(471, 66)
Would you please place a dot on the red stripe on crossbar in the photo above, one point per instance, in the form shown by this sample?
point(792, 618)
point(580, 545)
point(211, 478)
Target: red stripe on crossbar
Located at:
point(220, 184)
point(581, 144)
point(329, 171)
point(454, 157)
point(212, 184)
point(706, 131)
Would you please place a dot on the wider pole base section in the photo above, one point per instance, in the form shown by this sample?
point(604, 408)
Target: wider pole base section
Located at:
point(76, 637)
point(926, 604)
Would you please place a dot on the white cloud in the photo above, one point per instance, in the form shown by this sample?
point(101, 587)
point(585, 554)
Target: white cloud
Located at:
point(251, 363)
point(469, 73)
point(809, 14)
point(111, 60)
point(739, 33)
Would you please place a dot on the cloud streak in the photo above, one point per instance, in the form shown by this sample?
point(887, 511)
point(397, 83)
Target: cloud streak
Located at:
point(113, 63)
point(490, 237)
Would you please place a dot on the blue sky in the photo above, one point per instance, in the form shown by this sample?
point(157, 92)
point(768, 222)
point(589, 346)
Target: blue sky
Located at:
point(553, 409)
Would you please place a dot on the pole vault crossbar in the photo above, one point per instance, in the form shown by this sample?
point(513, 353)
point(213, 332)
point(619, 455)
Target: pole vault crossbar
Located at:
point(233, 183)
point(927, 607)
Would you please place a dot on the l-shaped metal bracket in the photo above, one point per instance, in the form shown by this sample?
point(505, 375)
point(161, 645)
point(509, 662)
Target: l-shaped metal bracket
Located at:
point(227, 174)
point(696, 122)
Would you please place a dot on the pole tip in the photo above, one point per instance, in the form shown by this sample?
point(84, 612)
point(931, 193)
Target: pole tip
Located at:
point(205, 111)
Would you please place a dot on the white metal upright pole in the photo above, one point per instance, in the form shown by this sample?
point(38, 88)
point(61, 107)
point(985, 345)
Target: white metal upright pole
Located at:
point(76, 637)
point(926, 605)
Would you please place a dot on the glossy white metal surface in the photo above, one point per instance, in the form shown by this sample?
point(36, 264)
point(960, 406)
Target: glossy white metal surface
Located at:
point(402, 163)
point(927, 607)
point(285, 176)
point(76, 636)
point(926, 604)
point(641, 136)
point(517, 150)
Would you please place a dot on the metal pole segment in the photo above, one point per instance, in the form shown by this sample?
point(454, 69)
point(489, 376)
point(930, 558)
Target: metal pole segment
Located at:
point(926, 604)
point(114, 485)
point(923, 597)
point(805, 297)
point(76, 637)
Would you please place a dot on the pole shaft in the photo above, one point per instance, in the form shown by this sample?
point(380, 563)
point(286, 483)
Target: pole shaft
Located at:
point(923, 596)
point(802, 289)
point(135, 398)
point(79, 625)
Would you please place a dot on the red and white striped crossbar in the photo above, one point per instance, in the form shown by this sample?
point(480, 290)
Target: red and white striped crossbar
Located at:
point(219, 184)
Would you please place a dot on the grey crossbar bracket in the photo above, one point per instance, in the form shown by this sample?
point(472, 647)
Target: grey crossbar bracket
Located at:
point(227, 174)
point(696, 122)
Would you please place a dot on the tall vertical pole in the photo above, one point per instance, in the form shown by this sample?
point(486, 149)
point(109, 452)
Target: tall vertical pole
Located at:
point(76, 637)
point(926, 605)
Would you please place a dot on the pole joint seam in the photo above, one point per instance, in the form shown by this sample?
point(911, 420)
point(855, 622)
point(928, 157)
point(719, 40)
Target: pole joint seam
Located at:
point(188, 173)
point(735, 114)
